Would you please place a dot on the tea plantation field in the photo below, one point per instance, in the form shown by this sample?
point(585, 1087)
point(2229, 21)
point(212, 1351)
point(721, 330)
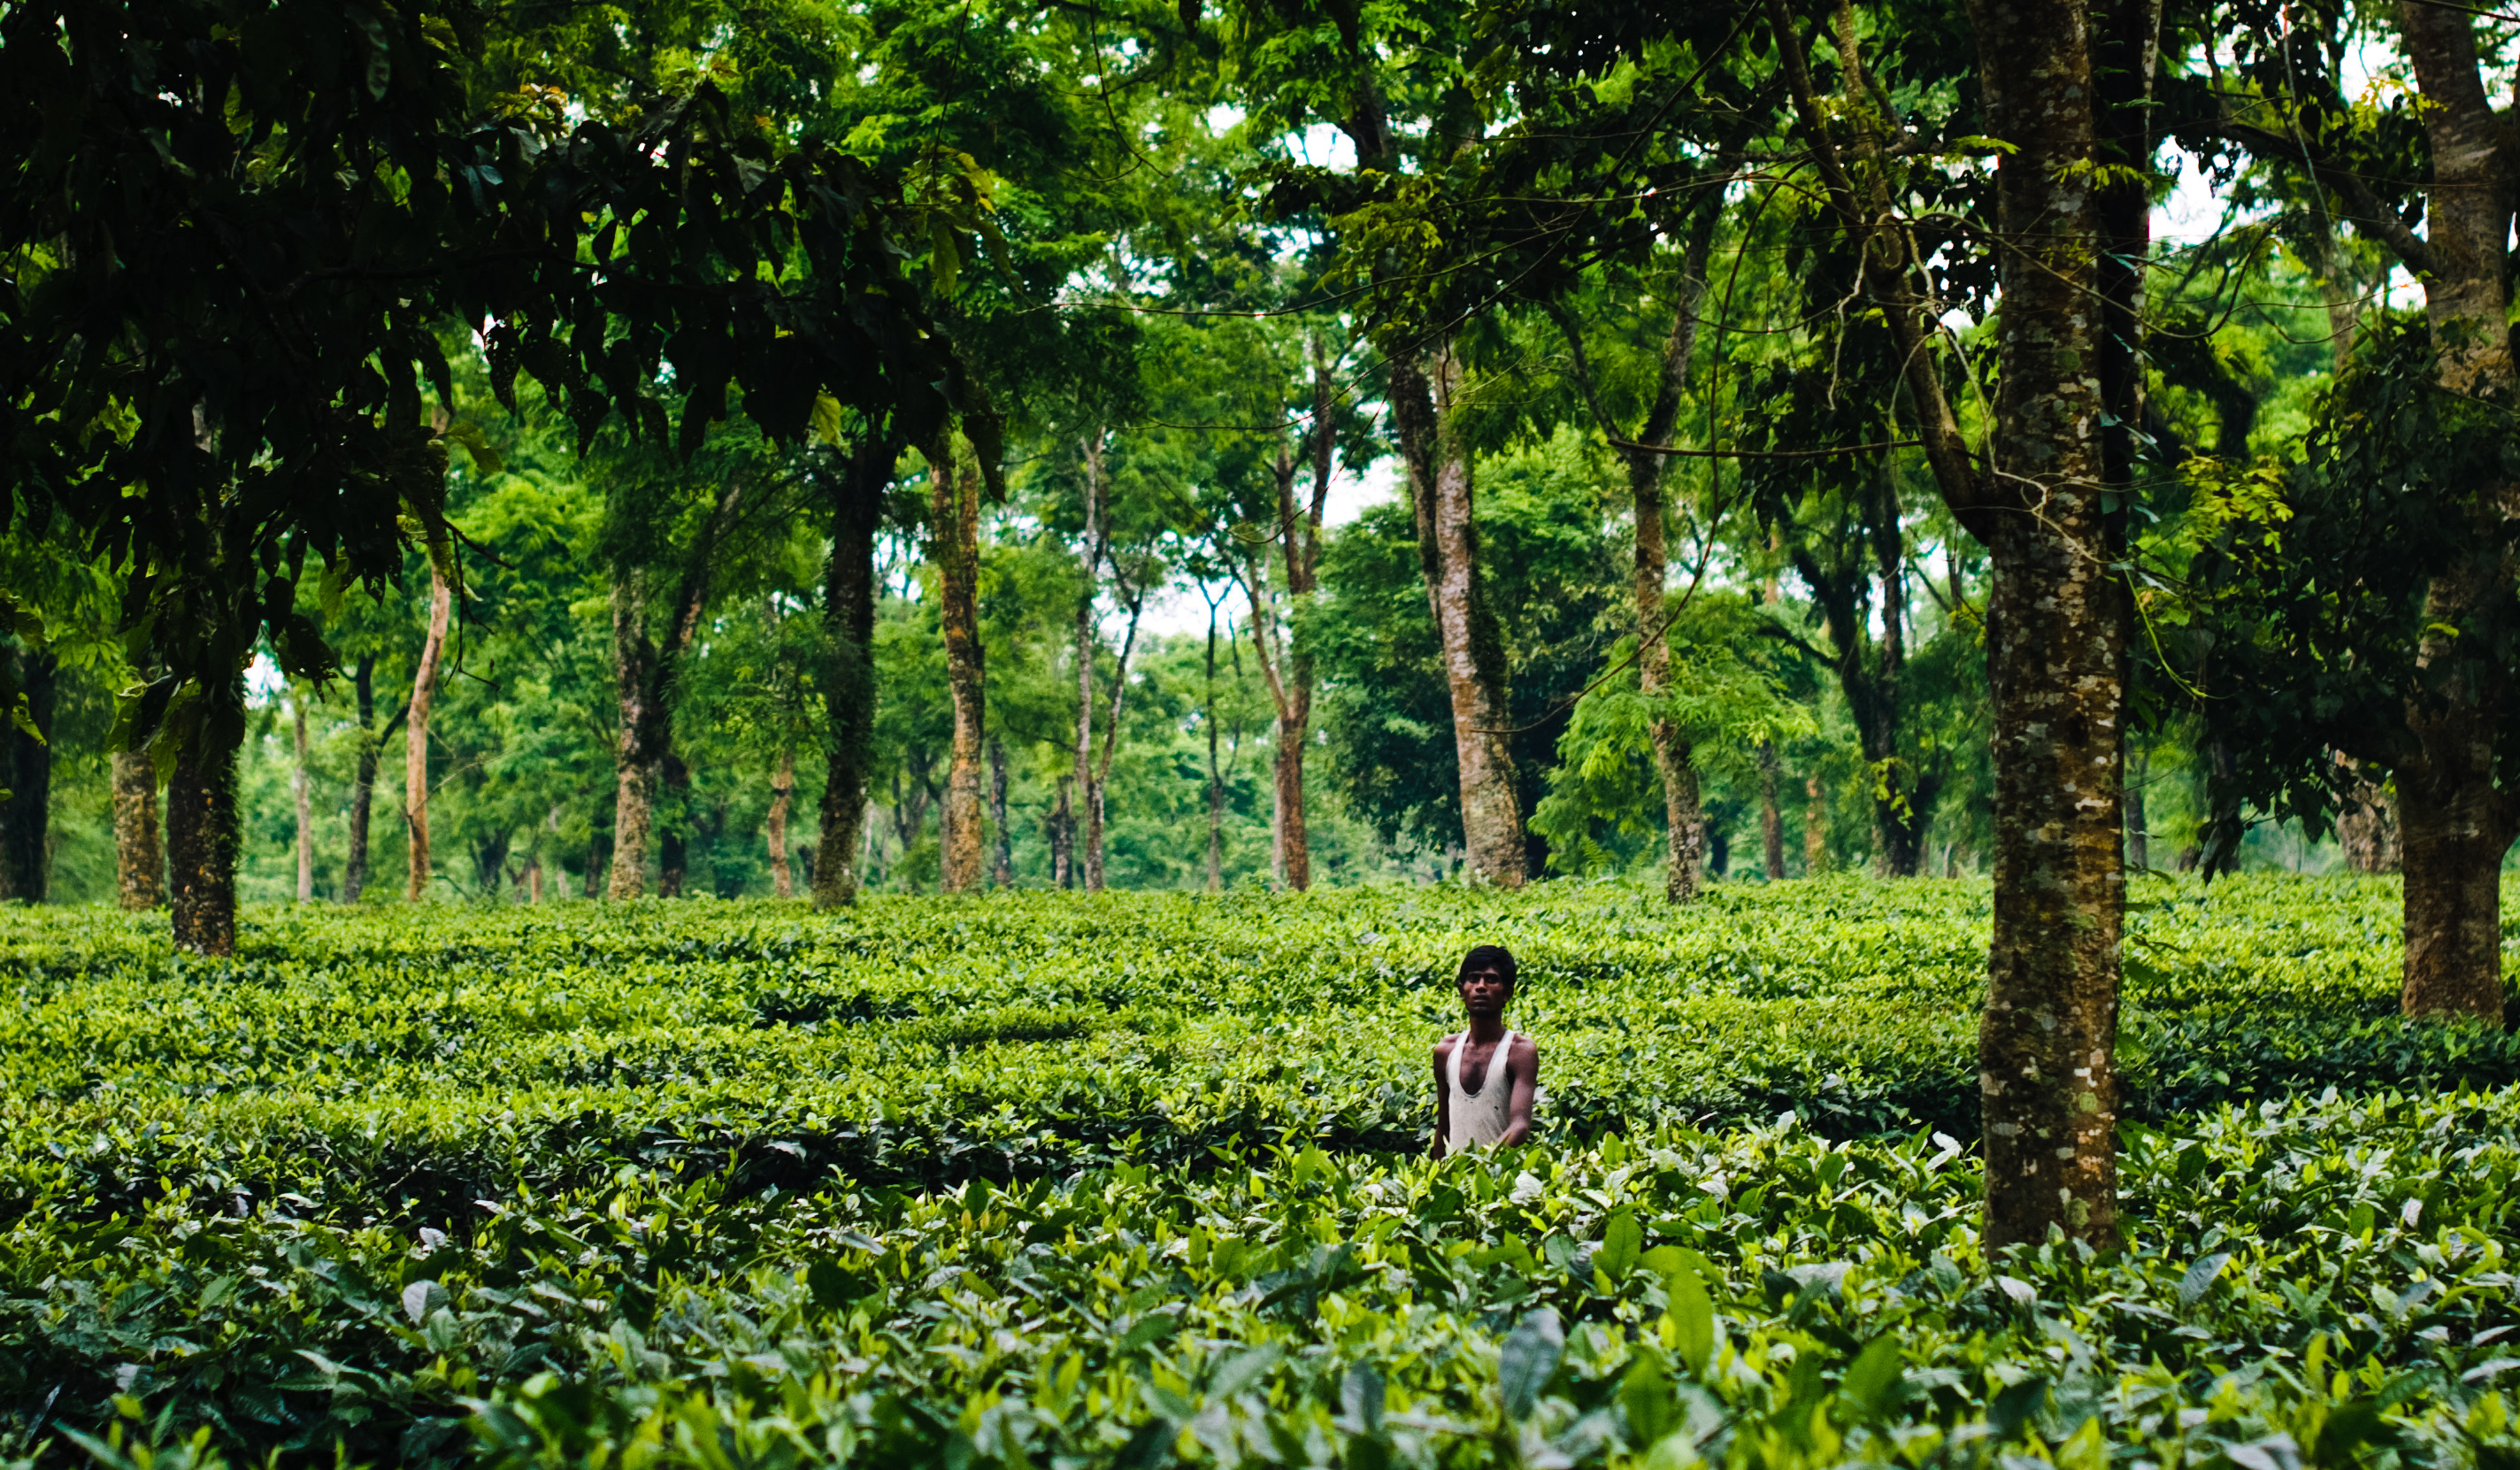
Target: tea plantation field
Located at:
point(1043, 1182)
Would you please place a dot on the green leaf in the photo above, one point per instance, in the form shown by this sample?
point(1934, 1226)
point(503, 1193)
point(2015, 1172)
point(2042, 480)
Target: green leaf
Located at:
point(1645, 1393)
point(1693, 1316)
point(1527, 1361)
point(1244, 1369)
point(1153, 1328)
point(1620, 1243)
point(834, 1285)
point(1361, 1394)
point(1874, 1380)
point(2200, 1277)
point(2009, 1412)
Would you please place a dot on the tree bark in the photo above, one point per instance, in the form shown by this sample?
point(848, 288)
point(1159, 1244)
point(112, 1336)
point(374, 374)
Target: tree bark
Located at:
point(2454, 897)
point(301, 786)
point(1215, 771)
point(2042, 504)
point(1684, 815)
point(1100, 779)
point(415, 761)
point(1062, 836)
point(2366, 827)
point(1425, 404)
point(202, 847)
point(672, 824)
point(954, 514)
point(1772, 822)
point(645, 762)
point(26, 813)
point(2058, 617)
point(1001, 837)
point(363, 780)
point(634, 802)
point(849, 680)
point(1815, 827)
point(1084, 855)
point(139, 863)
point(1286, 662)
point(2457, 825)
point(2139, 837)
point(783, 789)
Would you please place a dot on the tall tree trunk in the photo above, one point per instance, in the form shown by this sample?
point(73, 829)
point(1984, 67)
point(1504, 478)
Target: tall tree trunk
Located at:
point(849, 680)
point(673, 824)
point(415, 761)
point(955, 550)
point(202, 845)
point(1815, 827)
point(1425, 413)
point(2455, 839)
point(2057, 614)
point(1772, 822)
point(2455, 824)
point(2138, 839)
point(139, 863)
point(1101, 778)
point(634, 802)
point(2366, 827)
point(1905, 802)
point(1684, 816)
point(783, 787)
point(1287, 668)
point(363, 780)
point(26, 814)
point(2042, 504)
point(1002, 844)
point(1087, 853)
point(644, 763)
point(1288, 663)
point(1684, 819)
point(1215, 771)
point(301, 786)
point(1062, 836)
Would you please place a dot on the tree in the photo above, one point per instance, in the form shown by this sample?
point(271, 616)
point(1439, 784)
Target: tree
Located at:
point(954, 550)
point(2443, 159)
point(255, 355)
point(1356, 74)
point(1554, 573)
point(2067, 89)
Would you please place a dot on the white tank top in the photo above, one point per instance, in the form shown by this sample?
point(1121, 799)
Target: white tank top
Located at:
point(1479, 1118)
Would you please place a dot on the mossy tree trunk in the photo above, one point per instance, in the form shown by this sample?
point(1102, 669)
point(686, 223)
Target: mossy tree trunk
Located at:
point(27, 775)
point(139, 861)
point(855, 494)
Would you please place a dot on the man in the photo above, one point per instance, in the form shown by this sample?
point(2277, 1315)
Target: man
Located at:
point(1485, 1077)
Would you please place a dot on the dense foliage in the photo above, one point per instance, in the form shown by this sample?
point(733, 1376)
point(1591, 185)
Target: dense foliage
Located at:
point(1026, 1178)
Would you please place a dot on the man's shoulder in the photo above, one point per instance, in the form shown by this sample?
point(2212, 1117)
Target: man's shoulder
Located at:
point(1525, 1045)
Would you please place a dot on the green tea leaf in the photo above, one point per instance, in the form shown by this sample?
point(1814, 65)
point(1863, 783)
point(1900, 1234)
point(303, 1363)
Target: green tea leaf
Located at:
point(1527, 1361)
point(1692, 1315)
point(1621, 1242)
point(2200, 1277)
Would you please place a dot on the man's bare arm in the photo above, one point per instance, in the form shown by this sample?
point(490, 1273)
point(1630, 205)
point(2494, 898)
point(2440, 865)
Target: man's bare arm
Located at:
point(1443, 1097)
point(1525, 1063)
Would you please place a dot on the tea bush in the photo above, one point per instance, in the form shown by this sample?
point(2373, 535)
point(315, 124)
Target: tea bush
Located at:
point(1042, 1180)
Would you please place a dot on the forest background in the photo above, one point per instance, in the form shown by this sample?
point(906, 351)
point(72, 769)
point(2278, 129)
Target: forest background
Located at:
point(1202, 570)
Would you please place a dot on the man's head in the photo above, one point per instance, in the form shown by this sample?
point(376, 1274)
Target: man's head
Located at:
point(1486, 980)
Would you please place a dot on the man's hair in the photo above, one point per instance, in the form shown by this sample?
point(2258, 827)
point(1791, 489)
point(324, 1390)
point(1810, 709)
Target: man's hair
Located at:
point(1495, 957)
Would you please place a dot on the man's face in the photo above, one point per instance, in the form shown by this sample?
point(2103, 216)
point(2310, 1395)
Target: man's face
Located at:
point(1484, 994)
